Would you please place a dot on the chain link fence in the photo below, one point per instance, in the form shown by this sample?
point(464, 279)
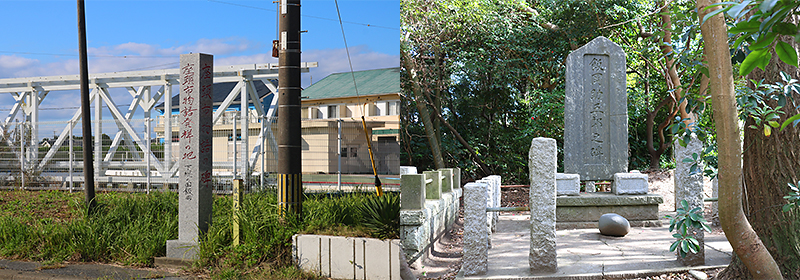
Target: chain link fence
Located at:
point(49, 155)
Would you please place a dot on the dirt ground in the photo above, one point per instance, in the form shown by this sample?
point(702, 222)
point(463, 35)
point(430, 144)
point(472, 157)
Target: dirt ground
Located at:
point(447, 260)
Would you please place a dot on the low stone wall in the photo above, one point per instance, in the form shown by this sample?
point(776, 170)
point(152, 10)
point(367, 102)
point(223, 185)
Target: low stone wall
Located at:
point(347, 257)
point(429, 204)
point(585, 209)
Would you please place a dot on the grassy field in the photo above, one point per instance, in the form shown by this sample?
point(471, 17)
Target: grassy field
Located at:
point(132, 229)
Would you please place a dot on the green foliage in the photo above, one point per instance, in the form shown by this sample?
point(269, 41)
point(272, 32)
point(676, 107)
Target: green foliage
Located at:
point(685, 223)
point(495, 74)
point(753, 103)
point(793, 197)
point(381, 215)
point(134, 228)
point(756, 33)
point(130, 229)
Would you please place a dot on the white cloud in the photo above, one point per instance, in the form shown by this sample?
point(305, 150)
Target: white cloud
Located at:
point(335, 61)
point(134, 56)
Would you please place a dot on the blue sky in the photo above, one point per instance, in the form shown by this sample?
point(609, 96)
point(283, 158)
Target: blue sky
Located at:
point(39, 38)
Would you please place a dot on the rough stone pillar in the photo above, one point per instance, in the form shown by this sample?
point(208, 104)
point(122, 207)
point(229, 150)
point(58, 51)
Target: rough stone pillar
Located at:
point(476, 235)
point(689, 187)
point(542, 159)
point(194, 192)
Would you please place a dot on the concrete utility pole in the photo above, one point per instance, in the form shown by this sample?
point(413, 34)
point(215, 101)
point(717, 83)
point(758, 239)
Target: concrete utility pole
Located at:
point(290, 185)
point(88, 166)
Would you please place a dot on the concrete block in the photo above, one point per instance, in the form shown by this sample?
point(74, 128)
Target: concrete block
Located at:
point(629, 183)
point(308, 249)
point(568, 184)
point(342, 266)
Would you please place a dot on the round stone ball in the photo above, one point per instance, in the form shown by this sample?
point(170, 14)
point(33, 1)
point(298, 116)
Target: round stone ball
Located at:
point(613, 225)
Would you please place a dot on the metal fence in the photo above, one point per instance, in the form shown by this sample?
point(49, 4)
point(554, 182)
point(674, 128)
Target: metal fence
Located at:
point(123, 163)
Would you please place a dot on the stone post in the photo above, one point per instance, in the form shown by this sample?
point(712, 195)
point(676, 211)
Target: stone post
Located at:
point(413, 216)
point(542, 159)
point(412, 191)
point(497, 181)
point(456, 178)
point(689, 187)
point(715, 205)
point(447, 180)
point(476, 236)
point(194, 188)
point(434, 189)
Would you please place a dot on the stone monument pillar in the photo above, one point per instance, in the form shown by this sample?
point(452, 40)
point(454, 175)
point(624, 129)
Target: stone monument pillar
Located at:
point(476, 230)
point(542, 162)
point(689, 187)
point(194, 189)
point(596, 112)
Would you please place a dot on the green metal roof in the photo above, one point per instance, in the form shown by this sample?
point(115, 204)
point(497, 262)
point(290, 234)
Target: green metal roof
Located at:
point(370, 82)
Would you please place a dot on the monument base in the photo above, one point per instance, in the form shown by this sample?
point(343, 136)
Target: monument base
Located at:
point(584, 210)
point(177, 249)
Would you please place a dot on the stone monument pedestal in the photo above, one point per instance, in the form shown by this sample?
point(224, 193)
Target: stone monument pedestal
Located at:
point(584, 210)
point(177, 249)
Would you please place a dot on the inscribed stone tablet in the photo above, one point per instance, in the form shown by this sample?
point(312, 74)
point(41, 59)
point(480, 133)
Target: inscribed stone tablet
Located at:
point(595, 111)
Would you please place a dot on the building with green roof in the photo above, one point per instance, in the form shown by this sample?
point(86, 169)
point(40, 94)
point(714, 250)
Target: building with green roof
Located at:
point(334, 99)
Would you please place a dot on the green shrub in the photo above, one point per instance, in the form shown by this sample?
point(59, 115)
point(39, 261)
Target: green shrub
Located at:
point(686, 222)
point(381, 215)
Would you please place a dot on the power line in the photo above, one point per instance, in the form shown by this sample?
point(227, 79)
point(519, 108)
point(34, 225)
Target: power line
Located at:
point(307, 16)
point(64, 54)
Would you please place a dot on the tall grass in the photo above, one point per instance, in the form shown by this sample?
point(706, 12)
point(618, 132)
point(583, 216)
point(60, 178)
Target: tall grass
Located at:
point(129, 228)
point(134, 228)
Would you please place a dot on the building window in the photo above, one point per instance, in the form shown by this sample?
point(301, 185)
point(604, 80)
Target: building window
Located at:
point(353, 151)
point(344, 152)
point(394, 108)
point(333, 111)
point(314, 113)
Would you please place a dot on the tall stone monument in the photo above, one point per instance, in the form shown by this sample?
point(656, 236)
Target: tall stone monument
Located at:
point(596, 112)
point(194, 189)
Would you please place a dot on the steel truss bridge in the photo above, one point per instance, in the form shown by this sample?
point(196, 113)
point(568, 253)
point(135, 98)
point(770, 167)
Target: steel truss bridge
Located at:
point(146, 90)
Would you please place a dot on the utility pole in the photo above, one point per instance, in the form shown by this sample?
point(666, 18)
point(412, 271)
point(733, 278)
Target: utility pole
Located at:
point(88, 166)
point(290, 185)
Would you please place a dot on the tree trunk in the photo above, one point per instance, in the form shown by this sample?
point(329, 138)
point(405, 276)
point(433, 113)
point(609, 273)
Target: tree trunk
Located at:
point(769, 164)
point(655, 154)
point(673, 81)
point(424, 113)
point(470, 150)
point(740, 234)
